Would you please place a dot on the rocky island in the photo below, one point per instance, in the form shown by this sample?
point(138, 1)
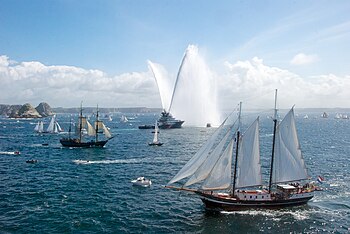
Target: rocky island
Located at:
point(26, 110)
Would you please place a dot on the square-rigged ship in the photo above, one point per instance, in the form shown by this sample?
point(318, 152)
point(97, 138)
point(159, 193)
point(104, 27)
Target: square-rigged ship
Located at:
point(83, 126)
point(223, 190)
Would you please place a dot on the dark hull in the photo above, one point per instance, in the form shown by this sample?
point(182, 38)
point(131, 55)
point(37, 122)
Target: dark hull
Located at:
point(155, 144)
point(166, 125)
point(216, 203)
point(75, 143)
point(146, 127)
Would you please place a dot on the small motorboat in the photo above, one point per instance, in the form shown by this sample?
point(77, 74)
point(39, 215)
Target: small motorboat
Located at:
point(142, 181)
point(32, 161)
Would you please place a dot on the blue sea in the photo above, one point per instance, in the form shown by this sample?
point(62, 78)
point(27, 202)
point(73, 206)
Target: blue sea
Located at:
point(89, 190)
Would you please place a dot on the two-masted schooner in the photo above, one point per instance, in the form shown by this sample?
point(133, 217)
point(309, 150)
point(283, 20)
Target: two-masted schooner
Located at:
point(221, 189)
point(92, 131)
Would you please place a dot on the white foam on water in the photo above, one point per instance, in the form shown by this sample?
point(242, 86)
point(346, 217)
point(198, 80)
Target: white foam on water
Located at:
point(117, 161)
point(8, 152)
point(276, 215)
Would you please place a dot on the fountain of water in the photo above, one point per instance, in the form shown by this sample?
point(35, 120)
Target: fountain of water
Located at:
point(193, 98)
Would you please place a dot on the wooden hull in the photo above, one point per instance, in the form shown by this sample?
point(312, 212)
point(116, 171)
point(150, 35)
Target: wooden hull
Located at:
point(213, 202)
point(76, 143)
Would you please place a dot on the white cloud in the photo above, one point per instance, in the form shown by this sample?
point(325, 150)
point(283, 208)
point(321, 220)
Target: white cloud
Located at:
point(253, 82)
point(68, 85)
point(303, 59)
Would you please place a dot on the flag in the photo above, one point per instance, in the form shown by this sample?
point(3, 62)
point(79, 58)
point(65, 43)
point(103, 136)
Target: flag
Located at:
point(320, 179)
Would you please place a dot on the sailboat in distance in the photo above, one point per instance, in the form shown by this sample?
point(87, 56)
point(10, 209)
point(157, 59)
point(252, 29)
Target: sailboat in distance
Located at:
point(155, 137)
point(39, 127)
point(92, 131)
point(54, 126)
point(243, 189)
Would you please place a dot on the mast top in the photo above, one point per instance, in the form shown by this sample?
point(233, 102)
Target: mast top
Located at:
point(239, 116)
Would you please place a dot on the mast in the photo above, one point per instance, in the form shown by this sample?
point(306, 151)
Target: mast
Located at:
point(70, 127)
point(81, 121)
point(97, 122)
point(237, 143)
point(273, 140)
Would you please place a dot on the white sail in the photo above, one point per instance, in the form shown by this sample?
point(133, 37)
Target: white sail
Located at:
point(37, 127)
point(41, 127)
point(55, 129)
point(288, 163)
point(51, 126)
point(205, 168)
point(124, 119)
point(248, 162)
point(220, 176)
point(192, 165)
point(90, 129)
point(106, 132)
point(155, 138)
point(58, 127)
point(103, 129)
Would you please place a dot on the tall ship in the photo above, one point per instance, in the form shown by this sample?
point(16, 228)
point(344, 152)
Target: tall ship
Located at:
point(167, 121)
point(83, 127)
point(220, 189)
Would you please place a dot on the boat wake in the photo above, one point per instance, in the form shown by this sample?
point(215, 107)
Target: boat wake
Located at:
point(274, 214)
point(9, 152)
point(118, 161)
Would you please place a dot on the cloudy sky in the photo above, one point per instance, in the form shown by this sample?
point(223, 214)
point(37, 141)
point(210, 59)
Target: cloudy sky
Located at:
point(67, 51)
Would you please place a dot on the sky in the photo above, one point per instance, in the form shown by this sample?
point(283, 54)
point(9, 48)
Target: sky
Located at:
point(67, 51)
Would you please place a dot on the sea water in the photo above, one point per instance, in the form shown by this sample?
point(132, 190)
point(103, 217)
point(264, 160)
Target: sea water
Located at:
point(89, 190)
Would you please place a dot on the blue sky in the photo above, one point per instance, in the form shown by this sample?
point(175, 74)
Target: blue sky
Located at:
point(307, 38)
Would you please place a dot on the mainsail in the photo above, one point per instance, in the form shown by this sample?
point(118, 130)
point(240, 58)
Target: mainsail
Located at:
point(248, 162)
point(155, 138)
point(288, 163)
point(39, 127)
point(51, 126)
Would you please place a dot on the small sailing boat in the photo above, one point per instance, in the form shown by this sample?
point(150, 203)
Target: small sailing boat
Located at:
point(39, 127)
point(211, 166)
point(324, 115)
point(123, 119)
point(92, 131)
point(155, 137)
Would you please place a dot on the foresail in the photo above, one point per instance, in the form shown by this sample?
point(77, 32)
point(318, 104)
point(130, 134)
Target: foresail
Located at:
point(106, 132)
point(206, 167)
point(289, 163)
point(220, 176)
point(192, 165)
point(248, 163)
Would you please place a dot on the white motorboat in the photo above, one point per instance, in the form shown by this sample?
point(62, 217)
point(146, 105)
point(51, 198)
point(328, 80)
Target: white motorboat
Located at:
point(142, 181)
